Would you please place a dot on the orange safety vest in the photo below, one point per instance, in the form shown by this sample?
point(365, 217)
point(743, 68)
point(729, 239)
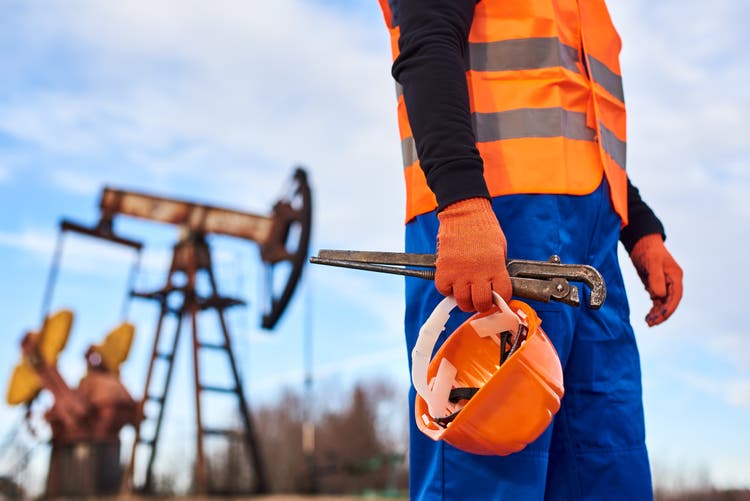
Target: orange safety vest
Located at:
point(544, 121)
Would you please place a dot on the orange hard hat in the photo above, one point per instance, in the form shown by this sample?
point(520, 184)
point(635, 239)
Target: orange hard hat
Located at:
point(493, 386)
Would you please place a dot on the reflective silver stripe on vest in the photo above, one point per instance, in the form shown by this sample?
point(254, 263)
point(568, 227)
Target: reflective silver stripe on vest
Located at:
point(606, 78)
point(522, 54)
point(614, 146)
point(409, 151)
point(531, 122)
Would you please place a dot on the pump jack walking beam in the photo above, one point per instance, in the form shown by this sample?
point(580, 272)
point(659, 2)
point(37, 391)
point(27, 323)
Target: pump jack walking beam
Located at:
point(283, 235)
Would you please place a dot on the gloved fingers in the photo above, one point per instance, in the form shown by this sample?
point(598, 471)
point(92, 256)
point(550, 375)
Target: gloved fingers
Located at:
point(666, 304)
point(462, 294)
point(471, 250)
point(663, 308)
point(443, 282)
point(481, 296)
point(476, 296)
point(674, 295)
point(648, 256)
point(655, 282)
point(656, 314)
point(503, 286)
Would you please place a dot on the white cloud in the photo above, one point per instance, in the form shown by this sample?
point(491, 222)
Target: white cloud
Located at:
point(83, 254)
point(77, 182)
point(37, 242)
point(349, 365)
point(733, 391)
point(10, 166)
point(218, 101)
point(738, 393)
point(185, 91)
point(730, 343)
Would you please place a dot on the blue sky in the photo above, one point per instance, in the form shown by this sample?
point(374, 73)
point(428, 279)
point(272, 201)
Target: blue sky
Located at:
point(217, 102)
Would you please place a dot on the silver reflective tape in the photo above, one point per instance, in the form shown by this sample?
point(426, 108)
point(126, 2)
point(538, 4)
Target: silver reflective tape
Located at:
point(409, 151)
point(522, 54)
point(399, 90)
point(614, 146)
point(531, 122)
point(606, 78)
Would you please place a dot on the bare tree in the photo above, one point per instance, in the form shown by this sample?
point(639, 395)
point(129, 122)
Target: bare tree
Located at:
point(357, 444)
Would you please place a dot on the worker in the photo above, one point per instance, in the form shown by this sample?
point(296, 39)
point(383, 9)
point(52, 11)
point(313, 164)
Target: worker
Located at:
point(512, 121)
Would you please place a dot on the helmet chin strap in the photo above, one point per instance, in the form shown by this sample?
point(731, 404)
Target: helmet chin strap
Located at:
point(439, 393)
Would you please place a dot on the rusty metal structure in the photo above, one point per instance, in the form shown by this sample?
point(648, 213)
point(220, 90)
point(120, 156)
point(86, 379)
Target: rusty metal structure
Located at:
point(85, 420)
point(283, 237)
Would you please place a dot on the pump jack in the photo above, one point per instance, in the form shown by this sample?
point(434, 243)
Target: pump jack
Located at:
point(283, 237)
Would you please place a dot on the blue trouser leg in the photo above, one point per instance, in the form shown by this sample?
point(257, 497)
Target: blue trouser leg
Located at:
point(595, 447)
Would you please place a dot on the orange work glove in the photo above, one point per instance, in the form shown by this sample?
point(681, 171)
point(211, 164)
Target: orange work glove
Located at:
point(471, 255)
point(660, 274)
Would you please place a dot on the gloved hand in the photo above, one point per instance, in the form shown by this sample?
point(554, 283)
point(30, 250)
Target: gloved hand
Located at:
point(471, 255)
point(660, 274)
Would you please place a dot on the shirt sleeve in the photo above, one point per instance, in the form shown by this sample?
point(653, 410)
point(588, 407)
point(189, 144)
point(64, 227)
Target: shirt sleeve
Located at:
point(641, 220)
point(431, 69)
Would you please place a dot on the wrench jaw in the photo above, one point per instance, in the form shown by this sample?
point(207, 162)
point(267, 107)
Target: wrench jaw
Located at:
point(564, 292)
point(545, 290)
point(560, 275)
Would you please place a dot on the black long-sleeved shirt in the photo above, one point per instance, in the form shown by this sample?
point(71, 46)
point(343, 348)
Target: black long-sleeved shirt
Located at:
point(431, 70)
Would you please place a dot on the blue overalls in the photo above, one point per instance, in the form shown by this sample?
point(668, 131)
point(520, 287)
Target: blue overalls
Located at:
point(595, 447)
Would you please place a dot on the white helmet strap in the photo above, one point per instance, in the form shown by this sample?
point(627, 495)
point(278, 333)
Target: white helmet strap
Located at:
point(436, 393)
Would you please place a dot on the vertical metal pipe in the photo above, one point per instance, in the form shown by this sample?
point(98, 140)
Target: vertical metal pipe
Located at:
point(308, 426)
point(52, 276)
point(251, 442)
point(130, 285)
point(200, 459)
point(159, 420)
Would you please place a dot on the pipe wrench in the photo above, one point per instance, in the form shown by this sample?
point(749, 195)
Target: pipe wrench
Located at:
point(537, 280)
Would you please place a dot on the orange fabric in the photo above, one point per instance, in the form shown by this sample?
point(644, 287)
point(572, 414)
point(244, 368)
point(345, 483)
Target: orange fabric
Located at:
point(599, 36)
point(468, 266)
point(661, 276)
point(503, 20)
point(537, 179)
point(403, 119)
point(618, 187)
point(540, 164)
point(420, 199)
point(515, 402)
point(610, 111)
point(585, 179)
point(386, 9)
point(552, 87)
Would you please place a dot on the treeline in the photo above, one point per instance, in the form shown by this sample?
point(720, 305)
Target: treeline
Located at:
point(708, 494)
point(353, 440)
point(335, 441)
